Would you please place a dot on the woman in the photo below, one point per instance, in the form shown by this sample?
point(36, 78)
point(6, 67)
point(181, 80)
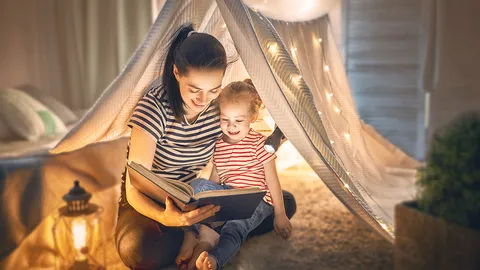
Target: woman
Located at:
point(174, 129)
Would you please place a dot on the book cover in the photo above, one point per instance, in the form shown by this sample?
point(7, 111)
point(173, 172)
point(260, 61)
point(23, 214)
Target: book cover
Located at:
point(234, 203)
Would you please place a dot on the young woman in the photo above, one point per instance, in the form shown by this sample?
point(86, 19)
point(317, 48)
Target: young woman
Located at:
point(174, 129)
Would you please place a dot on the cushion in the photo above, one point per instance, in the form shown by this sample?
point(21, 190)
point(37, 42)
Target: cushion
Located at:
point(68, 117)
point(6, 133)
point(27, 117)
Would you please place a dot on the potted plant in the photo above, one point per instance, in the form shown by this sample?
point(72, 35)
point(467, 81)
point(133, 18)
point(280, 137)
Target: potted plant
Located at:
point(441, 228)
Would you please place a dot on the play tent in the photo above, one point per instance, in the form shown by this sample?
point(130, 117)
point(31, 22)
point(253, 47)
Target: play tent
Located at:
point(301, 79)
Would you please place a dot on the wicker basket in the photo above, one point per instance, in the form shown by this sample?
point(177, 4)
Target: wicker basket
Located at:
point(424, 241)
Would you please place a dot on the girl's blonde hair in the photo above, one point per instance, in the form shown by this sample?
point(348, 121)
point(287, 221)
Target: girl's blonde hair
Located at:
point(241, 92)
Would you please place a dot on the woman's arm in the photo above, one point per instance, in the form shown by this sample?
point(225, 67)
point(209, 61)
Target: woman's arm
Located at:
point(142, 150)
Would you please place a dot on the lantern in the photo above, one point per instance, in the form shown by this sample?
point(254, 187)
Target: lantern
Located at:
point(77, 232)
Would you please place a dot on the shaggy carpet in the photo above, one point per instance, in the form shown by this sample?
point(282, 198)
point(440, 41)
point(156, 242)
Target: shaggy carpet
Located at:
point(326, 236)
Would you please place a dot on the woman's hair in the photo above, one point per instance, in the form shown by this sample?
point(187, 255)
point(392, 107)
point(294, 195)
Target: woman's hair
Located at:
point(187, 50)
point(239, 92)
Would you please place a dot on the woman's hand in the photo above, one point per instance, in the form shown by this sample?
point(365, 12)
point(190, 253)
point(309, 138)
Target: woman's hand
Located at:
point(173, 217)
point(282, 226)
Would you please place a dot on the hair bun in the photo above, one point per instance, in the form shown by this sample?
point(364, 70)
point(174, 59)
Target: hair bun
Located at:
point(249, 81)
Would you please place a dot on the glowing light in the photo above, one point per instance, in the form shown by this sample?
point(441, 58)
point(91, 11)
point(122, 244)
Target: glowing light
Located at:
point(224, 26)
point(326, 68)
point(329, 96)
point(293, 50)
point(332, 142)
point(272, 48)
point(337, 110)
point(347, 136)
point(296, 79)
point(79, 233)
point(320, 40)
point(384, 226)
point(346, 186)
point(319, 113)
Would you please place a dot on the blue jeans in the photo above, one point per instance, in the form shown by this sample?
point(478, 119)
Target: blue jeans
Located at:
point(234, 232)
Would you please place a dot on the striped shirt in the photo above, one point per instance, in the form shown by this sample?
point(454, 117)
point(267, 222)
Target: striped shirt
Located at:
point(240, 165)
point(182, 149)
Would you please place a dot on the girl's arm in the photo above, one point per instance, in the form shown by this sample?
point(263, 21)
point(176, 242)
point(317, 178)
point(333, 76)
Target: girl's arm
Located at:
point(273, 184)
point(214, 175)
point(282, 224)
point(142, 150)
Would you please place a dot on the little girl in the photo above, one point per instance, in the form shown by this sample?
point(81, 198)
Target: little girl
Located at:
point(240, 161)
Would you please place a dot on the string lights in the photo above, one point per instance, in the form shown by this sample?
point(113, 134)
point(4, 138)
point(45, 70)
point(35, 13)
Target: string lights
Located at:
point(273, 48)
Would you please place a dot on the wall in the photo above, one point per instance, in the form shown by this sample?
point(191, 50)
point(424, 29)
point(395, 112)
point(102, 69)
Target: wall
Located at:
point(69, 49)
point(381, 47)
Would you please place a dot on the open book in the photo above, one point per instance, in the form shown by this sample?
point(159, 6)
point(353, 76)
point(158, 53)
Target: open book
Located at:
point(234, 203)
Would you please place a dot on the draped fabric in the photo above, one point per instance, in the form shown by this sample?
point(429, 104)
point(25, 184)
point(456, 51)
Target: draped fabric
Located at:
point(299, 74)
point(300, 77)
point(70, 50)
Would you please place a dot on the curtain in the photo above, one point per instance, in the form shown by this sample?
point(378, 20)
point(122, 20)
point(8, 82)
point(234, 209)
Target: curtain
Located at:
point(451, 55)
point(69, 49)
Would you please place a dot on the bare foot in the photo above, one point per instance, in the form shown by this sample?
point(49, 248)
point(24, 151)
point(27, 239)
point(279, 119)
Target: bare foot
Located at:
point(208, 240)
point(199, 249)
point(205, 262)
point(186, 251)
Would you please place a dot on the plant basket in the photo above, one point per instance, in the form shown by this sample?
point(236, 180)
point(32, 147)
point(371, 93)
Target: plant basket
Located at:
point(423, 241)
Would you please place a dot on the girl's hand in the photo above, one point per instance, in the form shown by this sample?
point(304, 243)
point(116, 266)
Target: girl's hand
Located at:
point(173, 217)
point(282, 226)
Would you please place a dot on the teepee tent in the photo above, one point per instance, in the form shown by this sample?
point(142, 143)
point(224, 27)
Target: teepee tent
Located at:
point(299, 74)
point(300, 77)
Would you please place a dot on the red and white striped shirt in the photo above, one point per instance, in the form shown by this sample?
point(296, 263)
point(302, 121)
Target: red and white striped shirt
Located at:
point(240, 165)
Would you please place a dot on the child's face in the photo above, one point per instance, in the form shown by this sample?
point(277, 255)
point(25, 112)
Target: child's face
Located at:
point(235, 120)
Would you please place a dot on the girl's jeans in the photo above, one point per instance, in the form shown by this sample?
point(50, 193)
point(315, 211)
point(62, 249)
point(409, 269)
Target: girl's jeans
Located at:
point(234, 232)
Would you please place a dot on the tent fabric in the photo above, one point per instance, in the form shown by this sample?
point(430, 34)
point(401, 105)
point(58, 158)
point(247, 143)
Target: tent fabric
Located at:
point(300, 77)
point(311, 103)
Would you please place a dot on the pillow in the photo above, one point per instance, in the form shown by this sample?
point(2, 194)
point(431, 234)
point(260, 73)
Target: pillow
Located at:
point(62, 111)
point(26, 116)
point(6, 133)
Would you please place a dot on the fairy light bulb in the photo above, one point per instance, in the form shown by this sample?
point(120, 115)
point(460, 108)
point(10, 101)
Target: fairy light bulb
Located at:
point(296, 79)
point(224, 26)
point(384, 226)
point(319, 40)
point(332, 142)
point(329, 95)
point(347, 136)
point(272, 48)
point(346, 186)
point(293, 50)
point(319, 113)
point(326, 68)
point(337, 110)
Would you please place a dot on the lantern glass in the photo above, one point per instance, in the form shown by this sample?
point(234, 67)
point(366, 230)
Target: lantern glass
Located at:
point(79, 241)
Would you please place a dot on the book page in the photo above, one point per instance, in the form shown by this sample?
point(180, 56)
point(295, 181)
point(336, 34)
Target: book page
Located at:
point(226, 192)
point(163, 183)
point(182, 186)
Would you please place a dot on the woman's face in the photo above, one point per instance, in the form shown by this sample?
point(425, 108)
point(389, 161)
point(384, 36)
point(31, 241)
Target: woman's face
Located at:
point(198, 88)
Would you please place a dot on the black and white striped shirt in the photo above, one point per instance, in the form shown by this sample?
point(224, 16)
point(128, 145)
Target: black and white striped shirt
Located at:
point(182, 149)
